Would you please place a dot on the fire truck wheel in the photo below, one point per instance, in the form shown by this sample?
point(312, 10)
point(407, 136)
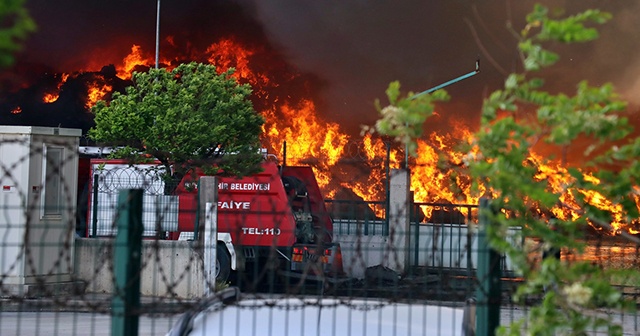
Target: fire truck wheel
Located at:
point(223, 264)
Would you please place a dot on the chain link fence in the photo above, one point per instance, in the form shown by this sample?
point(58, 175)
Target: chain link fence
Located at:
point(98, 248)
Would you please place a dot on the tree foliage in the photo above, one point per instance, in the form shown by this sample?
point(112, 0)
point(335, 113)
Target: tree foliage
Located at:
point(189, 117)
point(552, 216)
point(16, 26)
point(502, 162)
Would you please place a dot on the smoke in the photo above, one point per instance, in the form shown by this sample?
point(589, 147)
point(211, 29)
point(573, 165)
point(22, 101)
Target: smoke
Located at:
point(363, 45)
point(618, 50)
point(353, 47)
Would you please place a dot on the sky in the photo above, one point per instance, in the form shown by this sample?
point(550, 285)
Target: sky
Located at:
point(353, 48)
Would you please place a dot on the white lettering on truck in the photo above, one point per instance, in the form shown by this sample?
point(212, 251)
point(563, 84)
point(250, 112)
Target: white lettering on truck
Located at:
point(244, 186)
point(259, 231)
point(234, 205)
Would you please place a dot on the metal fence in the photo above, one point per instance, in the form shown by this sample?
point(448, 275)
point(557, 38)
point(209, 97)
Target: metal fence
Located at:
point(130, 280)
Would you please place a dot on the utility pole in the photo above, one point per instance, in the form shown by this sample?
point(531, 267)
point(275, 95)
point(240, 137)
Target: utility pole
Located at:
point(157, 32)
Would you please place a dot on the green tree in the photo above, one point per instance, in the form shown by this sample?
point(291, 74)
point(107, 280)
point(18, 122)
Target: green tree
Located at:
point(515, 121)
point(16, 26)
point(187, 118)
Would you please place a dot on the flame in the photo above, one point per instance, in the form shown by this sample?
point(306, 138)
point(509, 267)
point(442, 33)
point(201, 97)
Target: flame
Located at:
point(230, 53)
point(50, 97)
point(97, 91)
point(129, 63)
point(599, 201)
point(307, 137)
point(16, 110)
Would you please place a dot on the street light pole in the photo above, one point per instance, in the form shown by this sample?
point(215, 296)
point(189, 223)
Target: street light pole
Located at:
point(157, 32)
point(457, 79)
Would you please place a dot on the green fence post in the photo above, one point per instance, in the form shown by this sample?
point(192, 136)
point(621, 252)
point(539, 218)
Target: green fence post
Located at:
point(489, 293)
point(125, 303)
point(387, 165)
point(94, 204)
point(416, 235)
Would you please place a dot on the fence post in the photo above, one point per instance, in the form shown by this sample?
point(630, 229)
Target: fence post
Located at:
point(125, 303)
point(489, 293)
point(387, 165)
point(209, 223)
point(399, 222)
point(94, 204)
point(416, 235)
point(469, 247)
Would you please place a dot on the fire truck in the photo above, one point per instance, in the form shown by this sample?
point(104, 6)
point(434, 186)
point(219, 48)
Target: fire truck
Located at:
point(276, 217)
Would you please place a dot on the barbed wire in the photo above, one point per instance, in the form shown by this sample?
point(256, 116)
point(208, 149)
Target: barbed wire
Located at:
point(59, 253)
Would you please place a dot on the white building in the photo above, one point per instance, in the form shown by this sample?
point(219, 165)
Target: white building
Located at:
point(38, 179)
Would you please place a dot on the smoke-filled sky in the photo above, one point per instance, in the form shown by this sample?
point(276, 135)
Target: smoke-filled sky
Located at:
point(354, 47)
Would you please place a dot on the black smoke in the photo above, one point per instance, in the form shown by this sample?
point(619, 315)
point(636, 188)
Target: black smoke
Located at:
point(347, 51)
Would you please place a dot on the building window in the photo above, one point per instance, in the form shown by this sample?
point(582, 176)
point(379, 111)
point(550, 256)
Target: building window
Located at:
point(52, 180)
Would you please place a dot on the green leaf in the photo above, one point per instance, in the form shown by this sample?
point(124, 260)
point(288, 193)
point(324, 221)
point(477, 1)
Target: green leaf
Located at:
point(393, 92)
point(511, 82)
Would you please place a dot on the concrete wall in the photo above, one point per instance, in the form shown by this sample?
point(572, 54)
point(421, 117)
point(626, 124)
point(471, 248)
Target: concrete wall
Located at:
point(175, 263)
point(169, 267)
point(360, 252)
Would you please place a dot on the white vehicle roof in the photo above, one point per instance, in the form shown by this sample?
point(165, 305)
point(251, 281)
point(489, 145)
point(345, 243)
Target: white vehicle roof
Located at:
point(323, 316)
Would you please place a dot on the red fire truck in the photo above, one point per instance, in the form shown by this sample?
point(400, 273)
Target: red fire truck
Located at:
point(276, 217)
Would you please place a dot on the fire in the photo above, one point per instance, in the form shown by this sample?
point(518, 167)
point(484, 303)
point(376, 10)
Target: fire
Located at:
point(306, 136)
point(292, 118)
point(598, 200)
point(373, 150)
point(16, 110)
point(97, 92)
point(129, 63)
point(558, 179)
point(228, 53)
point(51, 97)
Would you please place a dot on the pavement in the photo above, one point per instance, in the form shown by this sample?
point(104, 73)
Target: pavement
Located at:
point(93, 303)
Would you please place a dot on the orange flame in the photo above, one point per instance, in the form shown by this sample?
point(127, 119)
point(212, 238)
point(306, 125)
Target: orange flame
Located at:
point(16, 110)
point(130, 62)
point(229, 53)
point(558, 179)
point(96, 92)
point(51, 97)
point(306, 136)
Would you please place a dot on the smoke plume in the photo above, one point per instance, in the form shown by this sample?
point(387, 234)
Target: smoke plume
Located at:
point(348, 50)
